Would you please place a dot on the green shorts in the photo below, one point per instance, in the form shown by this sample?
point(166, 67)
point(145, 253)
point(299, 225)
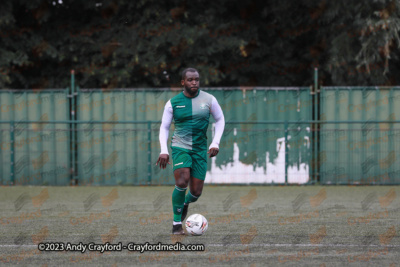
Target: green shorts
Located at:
point(195, 160)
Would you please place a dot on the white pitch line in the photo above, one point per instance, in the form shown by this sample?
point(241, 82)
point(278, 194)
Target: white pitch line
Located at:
point(259, 245)
point(301, 245)
point(17, 246)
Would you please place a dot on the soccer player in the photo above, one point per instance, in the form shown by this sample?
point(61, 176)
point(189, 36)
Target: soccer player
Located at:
point(190, 110)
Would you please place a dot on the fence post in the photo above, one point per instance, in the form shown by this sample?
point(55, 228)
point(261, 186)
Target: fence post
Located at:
point(286, 153)
point(12, 155)
point(75, 107)
point(72, 127)
point(315, 129)
point(149, 152)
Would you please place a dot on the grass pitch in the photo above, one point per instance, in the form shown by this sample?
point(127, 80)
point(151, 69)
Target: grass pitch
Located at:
point(248, 226)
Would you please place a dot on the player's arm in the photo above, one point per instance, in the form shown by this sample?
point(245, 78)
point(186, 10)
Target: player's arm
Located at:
point(163, 159)
point(218, 115)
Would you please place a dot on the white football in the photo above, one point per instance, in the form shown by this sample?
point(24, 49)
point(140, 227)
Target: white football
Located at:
point(196, 224)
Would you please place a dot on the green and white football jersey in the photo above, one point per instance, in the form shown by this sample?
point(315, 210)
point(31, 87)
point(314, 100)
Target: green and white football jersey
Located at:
point(191, 118)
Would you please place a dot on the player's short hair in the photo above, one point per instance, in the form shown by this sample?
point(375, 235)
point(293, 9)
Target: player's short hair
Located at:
point(188, 70)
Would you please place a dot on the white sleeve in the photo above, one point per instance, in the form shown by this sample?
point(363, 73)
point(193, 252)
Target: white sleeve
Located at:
point(164, 128)
point(218, 115)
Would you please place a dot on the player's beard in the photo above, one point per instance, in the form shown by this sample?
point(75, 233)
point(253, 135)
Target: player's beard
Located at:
point(192, 91)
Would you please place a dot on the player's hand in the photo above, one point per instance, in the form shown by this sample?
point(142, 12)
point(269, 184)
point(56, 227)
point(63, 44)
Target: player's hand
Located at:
point(213, 152)
point(163, 159)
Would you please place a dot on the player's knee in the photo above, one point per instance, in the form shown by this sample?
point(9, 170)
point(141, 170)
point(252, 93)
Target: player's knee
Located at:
point(182, 178)
point(181, 183)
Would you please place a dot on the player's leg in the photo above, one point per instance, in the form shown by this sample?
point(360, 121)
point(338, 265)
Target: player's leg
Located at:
point(181, 166)
point(197, 177)
point(195, 190)
point(182, 176)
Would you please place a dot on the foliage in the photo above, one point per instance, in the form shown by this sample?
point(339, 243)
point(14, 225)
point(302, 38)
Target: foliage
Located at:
point(147, 43)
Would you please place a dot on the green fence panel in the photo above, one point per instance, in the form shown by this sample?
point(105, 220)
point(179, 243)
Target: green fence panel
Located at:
point(40, 149)
point(361, 151)
point(117, 152)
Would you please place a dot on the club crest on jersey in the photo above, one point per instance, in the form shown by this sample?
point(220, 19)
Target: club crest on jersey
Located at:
point(203, 106)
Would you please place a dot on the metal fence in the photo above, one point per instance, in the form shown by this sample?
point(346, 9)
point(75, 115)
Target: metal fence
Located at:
point(359, 135)
point(272, 136)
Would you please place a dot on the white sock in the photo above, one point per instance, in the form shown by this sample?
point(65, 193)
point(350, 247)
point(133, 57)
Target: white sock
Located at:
point(175, 223)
